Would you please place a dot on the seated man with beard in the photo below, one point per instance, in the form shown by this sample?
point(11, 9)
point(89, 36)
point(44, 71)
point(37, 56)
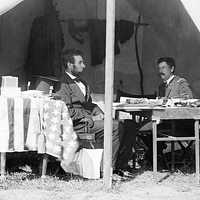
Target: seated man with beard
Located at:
point(75, 92)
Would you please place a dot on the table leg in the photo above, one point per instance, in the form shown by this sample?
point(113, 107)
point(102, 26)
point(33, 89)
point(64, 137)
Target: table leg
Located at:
point(172, 146)
point(3, 164)
point(196, 129)
point(154, 147)
point(173, 156)
point(44, 165)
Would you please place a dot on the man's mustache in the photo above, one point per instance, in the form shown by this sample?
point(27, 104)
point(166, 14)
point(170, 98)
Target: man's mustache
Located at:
point(161, 73)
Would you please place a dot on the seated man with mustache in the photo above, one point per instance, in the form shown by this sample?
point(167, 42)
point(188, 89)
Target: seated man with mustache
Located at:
point(172, 86)
point(76, 94)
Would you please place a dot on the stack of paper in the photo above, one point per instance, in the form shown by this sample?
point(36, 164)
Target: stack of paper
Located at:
point(9, 86)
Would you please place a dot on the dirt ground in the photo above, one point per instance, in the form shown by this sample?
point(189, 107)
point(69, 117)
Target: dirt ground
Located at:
point(176, 186)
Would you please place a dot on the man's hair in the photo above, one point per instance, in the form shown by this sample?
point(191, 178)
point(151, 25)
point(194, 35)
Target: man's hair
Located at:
point(68, 56)
point(169, 60)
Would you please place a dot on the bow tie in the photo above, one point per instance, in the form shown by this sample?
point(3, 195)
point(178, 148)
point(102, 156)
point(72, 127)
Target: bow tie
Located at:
point(165, 84)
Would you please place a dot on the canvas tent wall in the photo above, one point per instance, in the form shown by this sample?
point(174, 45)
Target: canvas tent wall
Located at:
point(171, 32)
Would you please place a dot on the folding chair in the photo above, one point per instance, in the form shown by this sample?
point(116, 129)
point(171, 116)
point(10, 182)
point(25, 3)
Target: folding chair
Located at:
point(184, 149)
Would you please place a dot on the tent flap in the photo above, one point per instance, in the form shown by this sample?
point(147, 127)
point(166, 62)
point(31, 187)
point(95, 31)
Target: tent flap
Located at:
point(192, 7)
point(6, 5)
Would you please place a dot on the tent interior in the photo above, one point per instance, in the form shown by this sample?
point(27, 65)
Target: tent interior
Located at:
point(166, 29)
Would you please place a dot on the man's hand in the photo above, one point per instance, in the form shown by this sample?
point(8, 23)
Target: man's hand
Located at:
point(97, 114)
point(100, 116)
point(97, 111)
point(88, 120)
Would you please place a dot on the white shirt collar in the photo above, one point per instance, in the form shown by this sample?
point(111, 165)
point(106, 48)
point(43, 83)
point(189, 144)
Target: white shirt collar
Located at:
point(80, 84)
point(70, 75)
point(169, 79)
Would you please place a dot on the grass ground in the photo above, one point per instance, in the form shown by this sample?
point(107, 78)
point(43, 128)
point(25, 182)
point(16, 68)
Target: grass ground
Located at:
point(27, 186)
point(180, 185)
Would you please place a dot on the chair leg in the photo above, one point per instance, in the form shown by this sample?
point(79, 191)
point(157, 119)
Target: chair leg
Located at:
point(173, 156)
point(185, 149)
point(92, 145)
point(44, 165)
point(165, 162)
point(154, 148)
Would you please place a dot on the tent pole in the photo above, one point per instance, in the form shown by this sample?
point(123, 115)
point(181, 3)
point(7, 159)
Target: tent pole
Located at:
point(109, 74)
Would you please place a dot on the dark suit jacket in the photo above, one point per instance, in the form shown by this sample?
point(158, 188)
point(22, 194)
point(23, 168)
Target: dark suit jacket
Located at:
point(177, 88)
point(79, 106)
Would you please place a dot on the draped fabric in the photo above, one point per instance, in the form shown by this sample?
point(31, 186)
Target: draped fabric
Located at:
point(6, 5)
point(45, 126)
point(14, 119)
point(24, 120)
point(86, 163)
point(61, 140)
point(45, 46)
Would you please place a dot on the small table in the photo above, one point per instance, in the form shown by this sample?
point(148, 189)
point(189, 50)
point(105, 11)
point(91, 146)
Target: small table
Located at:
point(172, 113)
point(24, 120)
point(168, 113)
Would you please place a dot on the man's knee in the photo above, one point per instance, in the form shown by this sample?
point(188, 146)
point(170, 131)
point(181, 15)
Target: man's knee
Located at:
point(116, 132)
point(115, 125)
